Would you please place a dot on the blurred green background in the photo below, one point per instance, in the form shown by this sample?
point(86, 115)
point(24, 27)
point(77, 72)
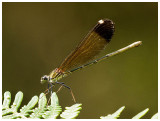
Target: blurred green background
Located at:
point(38, 36)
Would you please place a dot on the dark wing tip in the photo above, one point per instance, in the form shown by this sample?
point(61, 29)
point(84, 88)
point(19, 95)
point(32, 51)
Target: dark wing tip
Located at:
point(105, 28)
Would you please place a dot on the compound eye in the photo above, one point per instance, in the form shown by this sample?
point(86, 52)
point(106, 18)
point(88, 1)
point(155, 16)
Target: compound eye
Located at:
point(44, 79)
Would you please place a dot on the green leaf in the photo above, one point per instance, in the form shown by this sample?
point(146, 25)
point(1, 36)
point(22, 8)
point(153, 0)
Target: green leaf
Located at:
point(27, 109)
point(43, 111)
point(139, 115)
point(7, 100)
point(71, 112)
point(54, 109)
point(42, 103)
point(114, 115)
point(155, 116)
point(17, 101)
point(13, 110)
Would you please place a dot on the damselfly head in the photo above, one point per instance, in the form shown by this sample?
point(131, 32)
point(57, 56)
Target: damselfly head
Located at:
point(45, 78)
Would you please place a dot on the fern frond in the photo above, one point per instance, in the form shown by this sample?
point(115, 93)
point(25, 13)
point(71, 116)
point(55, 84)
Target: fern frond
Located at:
point(118, 112)
point(114, 115)
point(141, 114)
point(14, 107)
point(43, 111)
point(26, 109)
point(54, 109)
point(7, 100)
point(155, 116)
point(71, 112)
point(42, 103)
